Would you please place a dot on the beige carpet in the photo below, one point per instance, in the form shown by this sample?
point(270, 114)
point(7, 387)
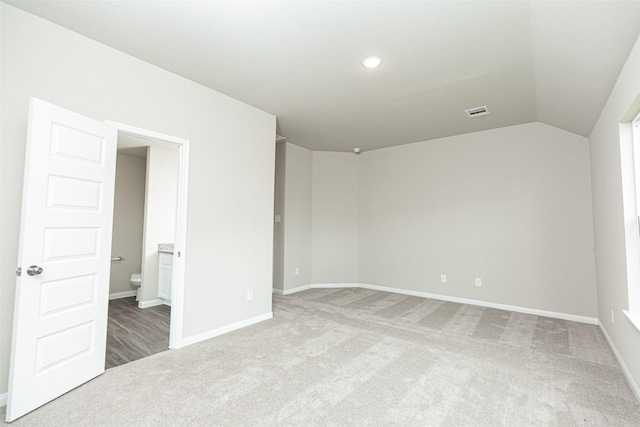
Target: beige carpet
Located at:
point(356, 357)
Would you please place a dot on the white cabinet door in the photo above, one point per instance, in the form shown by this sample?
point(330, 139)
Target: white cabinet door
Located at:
point(165, 275)
point(60, 316)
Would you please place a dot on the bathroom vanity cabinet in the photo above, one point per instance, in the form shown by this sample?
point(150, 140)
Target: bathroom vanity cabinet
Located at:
point(165, 275)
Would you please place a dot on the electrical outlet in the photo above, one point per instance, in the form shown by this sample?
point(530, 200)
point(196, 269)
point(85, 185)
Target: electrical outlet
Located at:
point(297, 271)
point(249, 294)
point(478, 281)
point(443, 278)
point(278, 218)
point(612, 319)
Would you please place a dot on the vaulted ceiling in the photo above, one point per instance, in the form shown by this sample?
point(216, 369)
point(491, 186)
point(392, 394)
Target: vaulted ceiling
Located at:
point(548, 61)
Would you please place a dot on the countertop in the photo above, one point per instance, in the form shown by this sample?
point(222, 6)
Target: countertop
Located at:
point(165, 248)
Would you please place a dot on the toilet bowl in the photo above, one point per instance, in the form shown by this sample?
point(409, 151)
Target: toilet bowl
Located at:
point(135, 280)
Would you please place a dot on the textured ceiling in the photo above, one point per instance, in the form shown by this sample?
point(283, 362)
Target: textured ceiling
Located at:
point(548, 61)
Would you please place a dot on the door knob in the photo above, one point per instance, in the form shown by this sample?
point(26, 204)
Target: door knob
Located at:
point(34, 270)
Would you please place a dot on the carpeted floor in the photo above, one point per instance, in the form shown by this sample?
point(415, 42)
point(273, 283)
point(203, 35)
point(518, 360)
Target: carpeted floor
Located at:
point(357, 357)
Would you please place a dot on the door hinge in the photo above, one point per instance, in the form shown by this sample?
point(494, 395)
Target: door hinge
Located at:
point(19, 272)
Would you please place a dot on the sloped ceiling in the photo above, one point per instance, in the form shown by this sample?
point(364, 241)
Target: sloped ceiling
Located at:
point(548, 61)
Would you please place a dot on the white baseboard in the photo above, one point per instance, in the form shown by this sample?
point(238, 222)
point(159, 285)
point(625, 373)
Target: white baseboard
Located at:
point(307, 287)
point(125, 294)
point(150, 303)
point(277, 291)
point(517, 309)
point(526, 310)
point(318, 286)
point(3, 399)
point(627, 374)
point(225, 329)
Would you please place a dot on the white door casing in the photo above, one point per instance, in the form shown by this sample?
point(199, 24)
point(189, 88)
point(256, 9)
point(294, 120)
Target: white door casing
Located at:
point(176, 339)
point(60, 315)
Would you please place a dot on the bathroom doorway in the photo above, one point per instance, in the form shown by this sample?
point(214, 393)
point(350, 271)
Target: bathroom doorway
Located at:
point(146, 231)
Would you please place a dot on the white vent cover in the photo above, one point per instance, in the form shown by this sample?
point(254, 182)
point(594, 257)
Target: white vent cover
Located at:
point(478, 111)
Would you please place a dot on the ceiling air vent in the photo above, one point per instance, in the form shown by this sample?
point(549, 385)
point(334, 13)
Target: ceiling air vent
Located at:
point(478, 111)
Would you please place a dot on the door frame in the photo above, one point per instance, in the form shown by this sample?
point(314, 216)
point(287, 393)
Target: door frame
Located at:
point(178, 279)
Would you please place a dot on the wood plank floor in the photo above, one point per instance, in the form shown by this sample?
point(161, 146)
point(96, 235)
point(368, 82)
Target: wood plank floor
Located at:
point(134, 333)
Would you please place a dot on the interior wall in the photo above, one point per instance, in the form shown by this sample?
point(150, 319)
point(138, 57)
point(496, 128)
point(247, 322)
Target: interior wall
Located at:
point(159, 213)
point(128, 220)
point(278, 229)
point(609, 215)
point(335, 222)
point(511, 206)
point(231, 168)
point(297, 217)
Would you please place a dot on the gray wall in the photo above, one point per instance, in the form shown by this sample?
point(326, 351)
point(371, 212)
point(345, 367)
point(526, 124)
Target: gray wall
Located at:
point(334, 225)
point(278, 228)
point(128, 220)
point(607, 157)
point(231, 170)
point(320, 222)
point(297, 217)
point(511, 206)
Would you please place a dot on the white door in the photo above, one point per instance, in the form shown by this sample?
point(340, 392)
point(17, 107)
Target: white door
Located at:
point(60, 318)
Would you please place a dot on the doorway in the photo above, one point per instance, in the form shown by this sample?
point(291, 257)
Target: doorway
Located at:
point(148, 140)
point(142, 249)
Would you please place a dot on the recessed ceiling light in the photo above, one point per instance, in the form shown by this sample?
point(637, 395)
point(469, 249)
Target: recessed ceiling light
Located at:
point(372, 62)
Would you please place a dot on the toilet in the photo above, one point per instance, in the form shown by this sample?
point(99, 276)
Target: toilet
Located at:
point(135, 282)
